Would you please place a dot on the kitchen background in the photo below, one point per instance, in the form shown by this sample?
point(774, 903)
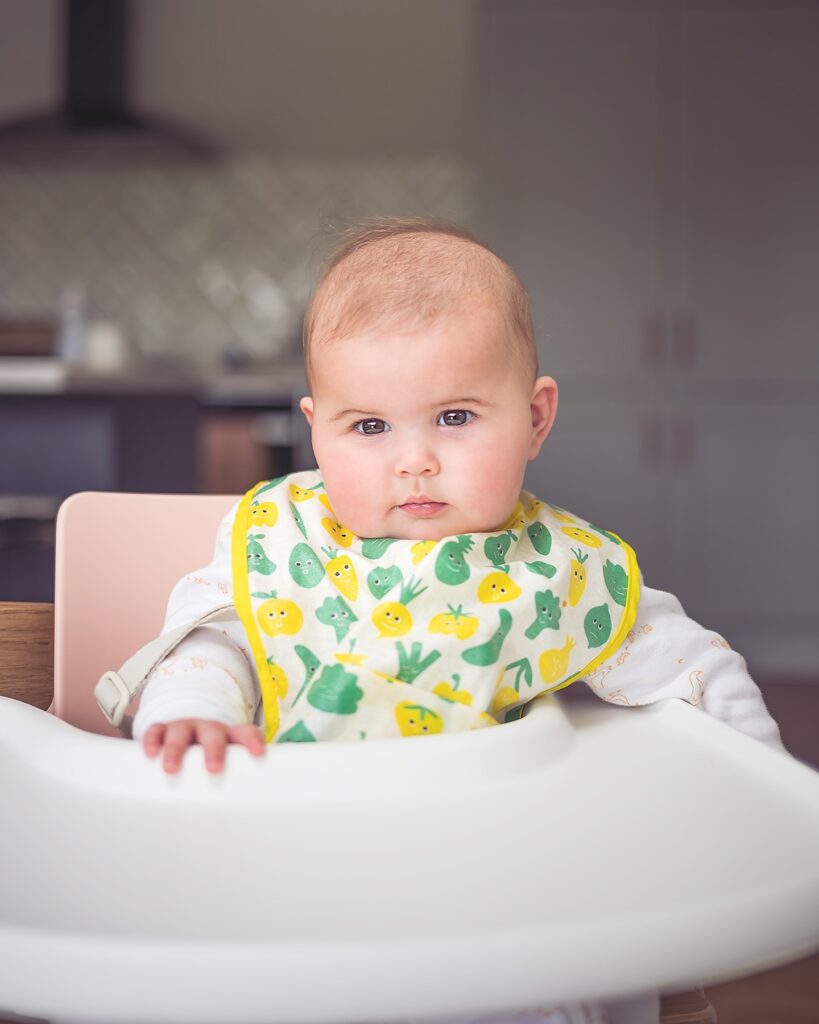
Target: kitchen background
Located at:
point(650, 168)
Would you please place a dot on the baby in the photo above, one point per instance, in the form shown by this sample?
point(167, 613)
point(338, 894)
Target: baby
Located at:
point(408, 586)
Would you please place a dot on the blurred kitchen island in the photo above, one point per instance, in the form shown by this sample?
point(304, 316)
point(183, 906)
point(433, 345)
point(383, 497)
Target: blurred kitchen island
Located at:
point(151, 429)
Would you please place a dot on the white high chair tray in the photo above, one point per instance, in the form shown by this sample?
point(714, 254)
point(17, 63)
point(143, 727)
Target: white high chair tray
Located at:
point(586, 851)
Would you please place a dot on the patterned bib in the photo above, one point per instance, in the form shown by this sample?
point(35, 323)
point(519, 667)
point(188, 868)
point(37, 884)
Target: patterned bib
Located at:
point(363, 638)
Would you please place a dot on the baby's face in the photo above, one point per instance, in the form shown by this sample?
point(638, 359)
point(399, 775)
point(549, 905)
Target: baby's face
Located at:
point(424, 434)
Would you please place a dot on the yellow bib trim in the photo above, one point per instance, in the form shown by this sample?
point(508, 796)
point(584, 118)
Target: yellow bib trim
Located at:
point(244, 609)
point(626, 622)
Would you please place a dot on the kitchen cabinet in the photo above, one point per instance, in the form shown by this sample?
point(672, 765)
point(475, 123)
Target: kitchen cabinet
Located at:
point(52, 445)
point(652, 171)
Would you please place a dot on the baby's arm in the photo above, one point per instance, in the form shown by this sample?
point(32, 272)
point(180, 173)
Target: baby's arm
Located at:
point(667, 654)
point(205, 691)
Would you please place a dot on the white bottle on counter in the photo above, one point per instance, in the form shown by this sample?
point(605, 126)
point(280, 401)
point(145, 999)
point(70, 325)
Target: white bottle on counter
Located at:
point(71, 337)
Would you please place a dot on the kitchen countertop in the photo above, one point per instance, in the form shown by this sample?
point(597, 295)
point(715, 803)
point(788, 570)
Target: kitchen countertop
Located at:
point(251, 385)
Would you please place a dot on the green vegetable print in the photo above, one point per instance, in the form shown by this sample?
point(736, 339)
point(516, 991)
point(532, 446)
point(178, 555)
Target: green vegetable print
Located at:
point(604, 533)
point(336, 690)
point(299, 733)
point(496, 548)
point(382, 579)
point(547, 613)
point(489, 652)
point(268, 486)
point(616, 579)
point(597, 625)
point(542, 569)
point(335, 612)
point(374, 547)
point(450, 567)
point(412, 664)
point(305, 567)
point(298, 519)
point(540, 537)
point(311, 666)
point(257, 560)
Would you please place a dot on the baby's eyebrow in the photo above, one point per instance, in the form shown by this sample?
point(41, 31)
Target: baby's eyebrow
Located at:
point(455, 403)
point(363, 414)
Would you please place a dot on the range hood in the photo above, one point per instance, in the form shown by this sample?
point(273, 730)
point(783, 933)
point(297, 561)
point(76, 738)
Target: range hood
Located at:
point(95, 121)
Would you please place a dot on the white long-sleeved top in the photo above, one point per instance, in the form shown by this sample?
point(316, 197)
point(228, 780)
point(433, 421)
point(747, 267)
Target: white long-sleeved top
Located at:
point(211, 673)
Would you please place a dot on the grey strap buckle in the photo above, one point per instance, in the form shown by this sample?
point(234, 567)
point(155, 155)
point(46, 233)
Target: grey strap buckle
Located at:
point(115, 690)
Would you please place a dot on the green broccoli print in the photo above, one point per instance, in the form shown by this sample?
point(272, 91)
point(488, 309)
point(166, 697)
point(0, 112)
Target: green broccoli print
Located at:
point(335, 612)
point(547, 613)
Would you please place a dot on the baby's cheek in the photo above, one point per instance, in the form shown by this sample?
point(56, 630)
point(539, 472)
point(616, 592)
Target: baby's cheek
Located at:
point(352, 489)
point(495, 486)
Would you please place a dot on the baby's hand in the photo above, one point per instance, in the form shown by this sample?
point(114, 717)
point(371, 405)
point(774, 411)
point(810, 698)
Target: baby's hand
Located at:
point(176, 737)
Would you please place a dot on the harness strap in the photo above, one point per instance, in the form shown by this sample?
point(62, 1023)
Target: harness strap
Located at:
point(116, 690)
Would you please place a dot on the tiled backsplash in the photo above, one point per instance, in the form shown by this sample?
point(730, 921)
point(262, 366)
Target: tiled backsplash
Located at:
point(196, 260)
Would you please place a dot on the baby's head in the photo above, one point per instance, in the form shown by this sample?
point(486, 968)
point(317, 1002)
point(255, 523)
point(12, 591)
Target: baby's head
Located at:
point(425, 403)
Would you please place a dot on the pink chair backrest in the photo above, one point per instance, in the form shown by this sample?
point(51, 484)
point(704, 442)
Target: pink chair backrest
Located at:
point(118, 557)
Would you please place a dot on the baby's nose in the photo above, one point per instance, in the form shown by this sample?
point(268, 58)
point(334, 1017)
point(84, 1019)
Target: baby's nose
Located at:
point(417, 458)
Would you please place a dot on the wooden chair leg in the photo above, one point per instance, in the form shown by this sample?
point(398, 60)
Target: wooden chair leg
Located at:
point(687, 1008)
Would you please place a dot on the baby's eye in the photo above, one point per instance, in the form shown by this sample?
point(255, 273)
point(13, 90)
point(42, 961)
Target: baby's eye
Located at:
point(455, 418)
point(372, 426)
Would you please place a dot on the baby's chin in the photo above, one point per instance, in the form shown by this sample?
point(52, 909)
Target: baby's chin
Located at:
point(404, 527)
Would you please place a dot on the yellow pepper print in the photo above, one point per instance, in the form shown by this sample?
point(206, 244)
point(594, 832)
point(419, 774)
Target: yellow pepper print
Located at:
point(455, 622)
point(589, 539)
point(497, 588)
point(300, 493)
point(279, 615)
point(265, 513)
point(421, 550)
point(416, 720)
point(340, 534)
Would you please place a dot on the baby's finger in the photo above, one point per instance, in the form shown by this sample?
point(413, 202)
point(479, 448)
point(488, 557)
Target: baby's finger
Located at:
point(249, 737)
point(213, 737)
point(178, 737)
point(152, 740)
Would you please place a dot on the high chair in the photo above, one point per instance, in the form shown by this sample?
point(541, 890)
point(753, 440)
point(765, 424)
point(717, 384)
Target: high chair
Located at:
point(585, 852)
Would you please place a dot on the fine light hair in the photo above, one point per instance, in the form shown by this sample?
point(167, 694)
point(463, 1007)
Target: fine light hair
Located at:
point(403, 273)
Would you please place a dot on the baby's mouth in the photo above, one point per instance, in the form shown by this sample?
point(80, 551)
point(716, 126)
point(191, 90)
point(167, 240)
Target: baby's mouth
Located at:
point(422, 508)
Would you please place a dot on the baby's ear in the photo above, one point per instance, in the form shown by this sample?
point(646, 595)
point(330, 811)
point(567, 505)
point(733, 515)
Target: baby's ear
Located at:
point(544, 410)
point(306, 406)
